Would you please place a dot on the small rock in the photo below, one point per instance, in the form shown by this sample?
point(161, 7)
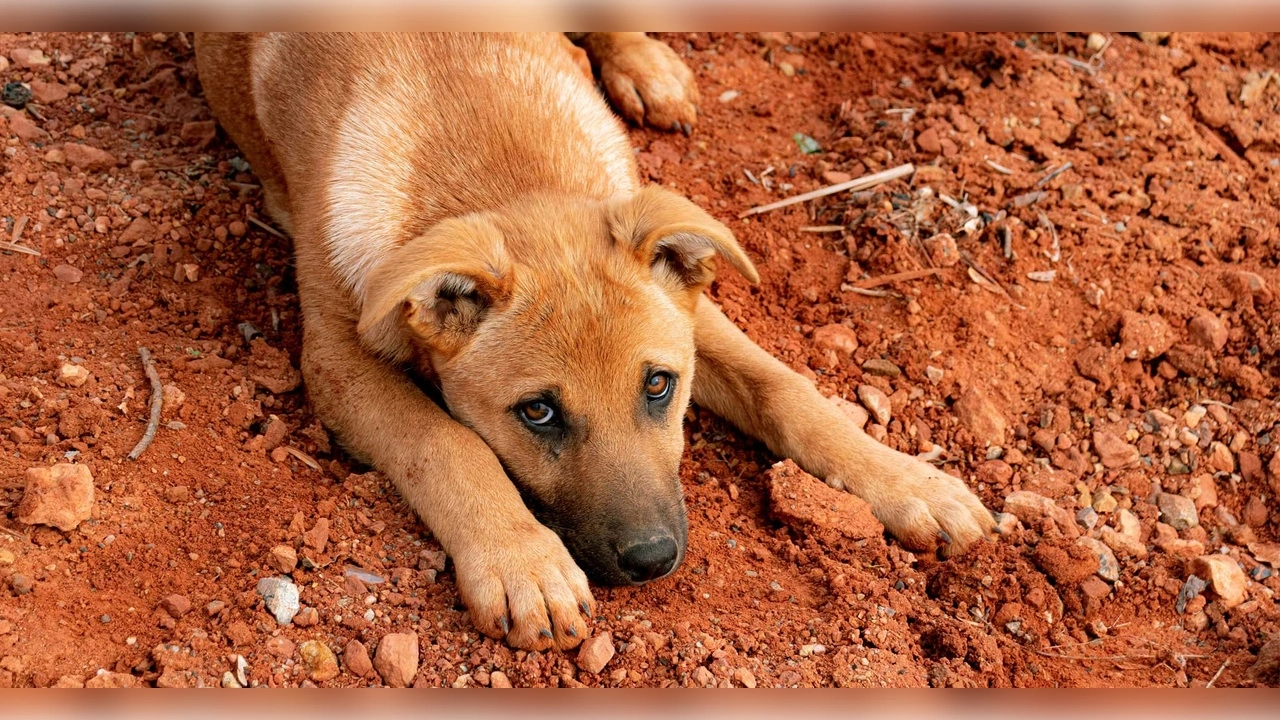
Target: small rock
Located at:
point(729, 96)
point(1144, 337)
point(982, 418)
point(702, 676)
point(6, 557)
point(1087, 518)
point(176, 606)
point(1033, 509)
point(47, 93)
point(318, 536)
point(173, 398)
point(1220, 458)
point(106, 679)
point(283, 558)
point(596, 652)
point(307, 617)
point(200, 133)
point(1250, 467)
point(214, 608)
point(72, 375)
point(61, 496)
point(852, 411)
point(943, 249)
point(396, 659)
point(237, 228)
point(1224, 576)
point(29, 57)
point(67, 274)
point(89, 158)
point(499, 679)
point(15, 95)
point(745, 677)
point(356, 659)
point(839, 338)
point(20, 584)
point(281, 597)
point(319, 661)
point(1207, 331)
point(1095, 42)
point(280, 646)
point(1153, 38)
point(177, 494)
point(1108, 566)
point(881, 368)
point(1178, 511)
point(933, 374)
point(874, 399)
point(832, 177)
point(1113, 452)
point(1255, 512)
point(1104, 502)
point(1203, 491)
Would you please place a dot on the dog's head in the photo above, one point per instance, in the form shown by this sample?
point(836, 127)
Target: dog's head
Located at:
point(561, 332)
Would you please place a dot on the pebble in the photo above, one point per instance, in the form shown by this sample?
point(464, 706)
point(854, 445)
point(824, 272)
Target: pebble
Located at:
point(852, 411)
point(1224, 576)
point(67, 274)
point(881, 368)
point(1178, 511)
point(836, 337)
point(280, 646)
point(229, 680)
point(596, 652)
point(308, 617)
point(396, 659)
point(814, 649)
point(72, 375)
point(237, 228)
point(1087, 518)
point(319, 660)
point(1032, 508)
point(283, 558)
point(933, 374)
point(1144, 337)
point(1220, 458)
point(1095, 42)
point(61, 496)
point(176, 606)
point(1108, 566)
point(89, 158)
point(982, 418)
point(1203, 491)
point(745, 677)
point(1113, 452)
point(6, 557)
point(499, 679)
point(29, 57)
point(356, 659)
point(318, 536)
point(214, 608)
point(943, 249)
point(874, 399)
point(729, 95)
point(20, 584)
point(1122, 544)
point(1104, 501)
point(702, 677)
point(281, 597)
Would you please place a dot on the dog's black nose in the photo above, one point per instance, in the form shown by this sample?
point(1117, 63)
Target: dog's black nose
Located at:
point(648, 556)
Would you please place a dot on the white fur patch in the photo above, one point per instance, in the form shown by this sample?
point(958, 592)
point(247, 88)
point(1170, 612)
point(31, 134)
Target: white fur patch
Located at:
point(368, 177)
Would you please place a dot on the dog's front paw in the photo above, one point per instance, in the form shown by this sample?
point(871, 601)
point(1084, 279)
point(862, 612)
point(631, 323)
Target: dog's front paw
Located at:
point(522, 585)
point(649, 84)
point(927, 509)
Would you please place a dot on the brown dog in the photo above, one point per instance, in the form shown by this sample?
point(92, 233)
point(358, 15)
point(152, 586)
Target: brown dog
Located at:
point(466, 213)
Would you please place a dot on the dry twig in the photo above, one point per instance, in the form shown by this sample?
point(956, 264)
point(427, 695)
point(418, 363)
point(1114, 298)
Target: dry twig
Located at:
point(896, 277)
point(862, 183)
point(18, 248)
point(157, 402)
point(1053, 174)
point(1218, 674)
point(999, 168)
point(255, 221)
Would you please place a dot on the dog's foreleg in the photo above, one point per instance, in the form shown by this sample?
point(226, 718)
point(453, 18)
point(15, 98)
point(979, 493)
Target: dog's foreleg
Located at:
point(922, 506)
point(515, 575)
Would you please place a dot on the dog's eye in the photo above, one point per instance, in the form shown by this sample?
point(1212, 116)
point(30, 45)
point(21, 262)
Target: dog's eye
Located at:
point(538, 413)
point(658, 386)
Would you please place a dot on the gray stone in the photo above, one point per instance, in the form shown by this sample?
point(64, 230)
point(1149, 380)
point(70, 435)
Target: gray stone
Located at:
point(1179, 512)
point(281, 598)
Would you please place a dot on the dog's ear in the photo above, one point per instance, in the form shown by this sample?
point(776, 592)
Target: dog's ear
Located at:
point(436, 289)
point(676, 238)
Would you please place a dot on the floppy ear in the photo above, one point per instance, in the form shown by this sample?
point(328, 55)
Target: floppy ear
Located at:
point(676, 238)
point(436, 289)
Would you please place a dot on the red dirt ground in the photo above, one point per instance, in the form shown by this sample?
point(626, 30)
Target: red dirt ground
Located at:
point(1153, 348)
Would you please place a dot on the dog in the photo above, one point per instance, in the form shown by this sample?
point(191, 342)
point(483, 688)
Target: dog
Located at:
point(500, 316)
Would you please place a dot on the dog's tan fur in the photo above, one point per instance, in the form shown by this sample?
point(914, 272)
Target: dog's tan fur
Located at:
point(465, 209)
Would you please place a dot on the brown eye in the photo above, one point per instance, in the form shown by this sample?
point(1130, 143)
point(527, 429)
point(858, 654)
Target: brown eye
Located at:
point(658, 386)
point(537, 413)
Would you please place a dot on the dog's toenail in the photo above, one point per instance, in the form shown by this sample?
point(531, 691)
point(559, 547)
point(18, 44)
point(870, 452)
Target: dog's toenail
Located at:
point(571, 632)
point(545, 633)
point(506, 626)
point(586, 609)
point(944, 537)
point(688, 129)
